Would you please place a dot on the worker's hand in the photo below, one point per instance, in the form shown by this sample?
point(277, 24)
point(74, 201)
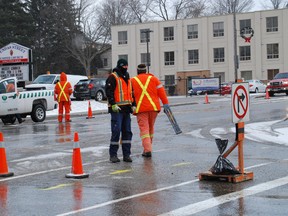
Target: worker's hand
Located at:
point(133, 108)
point(166, 106)
point(115, 108)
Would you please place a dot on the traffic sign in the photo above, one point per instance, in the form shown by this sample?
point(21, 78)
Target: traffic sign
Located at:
point(240, 102)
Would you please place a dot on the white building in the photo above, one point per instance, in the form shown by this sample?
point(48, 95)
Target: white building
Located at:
point(181, 49)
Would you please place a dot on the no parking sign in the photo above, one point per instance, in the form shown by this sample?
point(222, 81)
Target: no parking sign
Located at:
point(240, 102)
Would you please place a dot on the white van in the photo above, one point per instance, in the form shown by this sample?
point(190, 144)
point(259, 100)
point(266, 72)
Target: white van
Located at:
point(48, 81)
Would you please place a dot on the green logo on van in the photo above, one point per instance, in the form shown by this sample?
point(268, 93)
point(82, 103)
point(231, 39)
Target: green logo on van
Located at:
point(4, 97)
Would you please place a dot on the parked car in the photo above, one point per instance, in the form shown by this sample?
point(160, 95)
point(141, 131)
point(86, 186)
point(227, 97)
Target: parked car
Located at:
point(279, 84)
point(256, 86)
point(193, 92)
point(225, 88)
point(90, 88)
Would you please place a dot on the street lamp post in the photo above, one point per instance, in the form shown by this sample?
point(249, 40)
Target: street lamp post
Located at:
point(235, 42)
point(147, 32)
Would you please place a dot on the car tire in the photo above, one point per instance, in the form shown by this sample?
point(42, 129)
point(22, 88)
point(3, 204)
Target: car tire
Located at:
point(38, 113)
point(99, 96)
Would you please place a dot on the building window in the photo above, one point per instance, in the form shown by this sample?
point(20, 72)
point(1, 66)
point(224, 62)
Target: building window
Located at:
point(144, 59)
point(169, 58)
point(245, 53)
point(123, 57)
point(168, 33)
point(193, 56)
point(271, 24)
point(221, 75)
point(144, 35)
point(219, 55)
point(122, 37)
point(272, 73)
point(245, 23)
point(105, 62)
point(272, 51)
point(246, 75)
point(192, 31)
point(218, 29)
point(169, 80)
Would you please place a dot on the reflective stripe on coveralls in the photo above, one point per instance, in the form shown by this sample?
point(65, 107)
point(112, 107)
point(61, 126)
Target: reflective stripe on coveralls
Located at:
point(144, 92)
point(62, 91)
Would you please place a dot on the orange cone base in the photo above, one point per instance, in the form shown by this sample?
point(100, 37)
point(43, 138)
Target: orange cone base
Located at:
point(77, 176)
point(89, 117)
point(8, 174)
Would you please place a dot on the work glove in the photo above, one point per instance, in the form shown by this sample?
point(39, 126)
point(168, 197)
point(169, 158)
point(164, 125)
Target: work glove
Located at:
point(133, 108)
point(166, 106)
point(115, 108)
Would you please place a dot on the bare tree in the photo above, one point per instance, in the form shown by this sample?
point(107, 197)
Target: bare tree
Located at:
point(86, 44)
point(274, 4)
point(179, 9)
point(114, 12)
point(140, 9)
point(220, 7)
point(189, 9)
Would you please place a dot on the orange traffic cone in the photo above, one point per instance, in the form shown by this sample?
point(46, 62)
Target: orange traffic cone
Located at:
point(77, 169)
point(267, 95)
point(3, 163)
point(206, 99)
point(90, 115)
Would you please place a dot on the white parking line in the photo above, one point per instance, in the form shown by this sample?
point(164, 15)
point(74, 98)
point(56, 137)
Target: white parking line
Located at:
point(156, 191)
point(126, 198)
point(209, 203)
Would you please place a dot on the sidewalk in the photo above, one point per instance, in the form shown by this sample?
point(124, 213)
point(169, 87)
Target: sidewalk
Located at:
point(81, 107)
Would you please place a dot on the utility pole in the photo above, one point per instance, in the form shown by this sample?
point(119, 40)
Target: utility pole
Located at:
point(147, 32)
point(236, 63)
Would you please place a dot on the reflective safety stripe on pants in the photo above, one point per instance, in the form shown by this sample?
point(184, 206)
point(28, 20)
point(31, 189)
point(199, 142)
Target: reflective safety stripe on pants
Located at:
point(146, 121)
point(64, 105)
point(120, 125)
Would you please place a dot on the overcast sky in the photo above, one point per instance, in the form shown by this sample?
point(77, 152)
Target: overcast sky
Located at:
point(265, 5)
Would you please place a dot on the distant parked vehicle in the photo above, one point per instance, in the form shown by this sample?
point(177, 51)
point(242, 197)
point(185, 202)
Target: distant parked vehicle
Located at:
point(225, 88)
point(192, 92)
point(90, 88)
point(48, 81)
point(256, 86)
point(279, 84)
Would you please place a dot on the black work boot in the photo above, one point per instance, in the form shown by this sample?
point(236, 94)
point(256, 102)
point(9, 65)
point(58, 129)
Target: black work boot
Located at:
point(127, 159)
point(147, 154)
point(114, 159)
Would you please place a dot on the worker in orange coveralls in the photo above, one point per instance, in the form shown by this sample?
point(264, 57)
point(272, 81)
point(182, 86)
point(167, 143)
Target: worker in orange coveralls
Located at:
point(63, 90)
point(147, 91)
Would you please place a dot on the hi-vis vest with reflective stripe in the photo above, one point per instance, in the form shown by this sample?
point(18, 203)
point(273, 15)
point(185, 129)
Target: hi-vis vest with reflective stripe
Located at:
point(123, 91)
point(62, 93)
point(145, 88)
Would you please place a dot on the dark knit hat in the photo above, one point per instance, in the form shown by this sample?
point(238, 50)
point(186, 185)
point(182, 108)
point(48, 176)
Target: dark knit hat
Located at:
point(122, 62)
point(141, 68)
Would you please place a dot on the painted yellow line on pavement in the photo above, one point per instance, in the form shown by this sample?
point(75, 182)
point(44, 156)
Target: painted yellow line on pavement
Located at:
point(181, 164)
point(120, 172)
point(56, 187)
